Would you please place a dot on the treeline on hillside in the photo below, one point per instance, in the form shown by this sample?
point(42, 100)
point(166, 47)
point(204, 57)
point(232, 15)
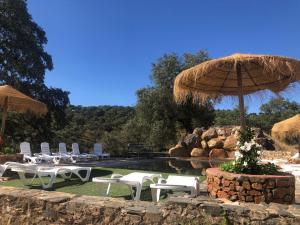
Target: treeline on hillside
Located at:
point(276, 110)
point(88, 125)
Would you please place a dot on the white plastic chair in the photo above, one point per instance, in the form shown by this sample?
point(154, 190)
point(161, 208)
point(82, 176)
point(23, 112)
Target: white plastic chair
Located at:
point(27, 155)
point(98, 151)
point(179, 183)
point(135, 179)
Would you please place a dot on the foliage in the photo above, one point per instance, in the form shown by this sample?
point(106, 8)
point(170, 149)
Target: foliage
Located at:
point(247, 157)
point(23, 63)
point(158, 118)
point(276, 110)
point(227, 117)
point(88, 125)
point(9, 150)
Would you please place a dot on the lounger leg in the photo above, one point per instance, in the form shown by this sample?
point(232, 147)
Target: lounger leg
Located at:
point(108, 188)
point(193, 192)
point(155, 192)
point(2, 170)
point(138, 192)
point(87, 176)
point(50, 183)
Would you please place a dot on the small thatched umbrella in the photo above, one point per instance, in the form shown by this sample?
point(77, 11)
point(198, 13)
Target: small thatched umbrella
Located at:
point(12, 100)
point(236, 75)
point(287, 129)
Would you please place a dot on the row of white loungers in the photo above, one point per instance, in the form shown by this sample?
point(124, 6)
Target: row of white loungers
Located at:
point(44, 173)
point(46, 155)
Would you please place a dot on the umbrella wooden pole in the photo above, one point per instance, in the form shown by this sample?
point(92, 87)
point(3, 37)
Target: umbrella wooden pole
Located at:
point(241, 97)
point(4, 115)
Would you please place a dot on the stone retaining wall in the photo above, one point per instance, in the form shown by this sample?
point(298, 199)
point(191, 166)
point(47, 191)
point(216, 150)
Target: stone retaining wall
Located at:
point(251, 188)
point(36, 207)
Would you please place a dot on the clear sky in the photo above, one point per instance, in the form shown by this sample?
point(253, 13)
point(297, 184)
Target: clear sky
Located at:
point(103, 49)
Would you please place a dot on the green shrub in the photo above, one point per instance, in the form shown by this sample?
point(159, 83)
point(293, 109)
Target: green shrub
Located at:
point(247, 157)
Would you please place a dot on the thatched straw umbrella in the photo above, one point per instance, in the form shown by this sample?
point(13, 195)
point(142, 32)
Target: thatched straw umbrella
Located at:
point(12, 100)
point(236, 75)
point(287, 129)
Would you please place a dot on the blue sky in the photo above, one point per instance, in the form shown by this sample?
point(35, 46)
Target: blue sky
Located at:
point(103, 49)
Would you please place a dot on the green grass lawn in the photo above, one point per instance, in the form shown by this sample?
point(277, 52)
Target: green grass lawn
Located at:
point(75, 186)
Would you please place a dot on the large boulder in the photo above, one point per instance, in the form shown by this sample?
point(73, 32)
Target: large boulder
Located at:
point(230, 143)
point(267, 144)
point(209, 134)
point(199, 152)
point(224, 131)
point(198, 131)
point(215, 143)
point(192, 141)
point(231, 154)
point(218, 153)
point(204, 145)
point(179, 151)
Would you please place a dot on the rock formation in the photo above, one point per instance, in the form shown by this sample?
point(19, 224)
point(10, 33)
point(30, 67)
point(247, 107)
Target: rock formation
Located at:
point(215, 142)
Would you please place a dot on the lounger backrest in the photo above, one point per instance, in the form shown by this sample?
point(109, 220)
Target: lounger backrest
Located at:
point(181, 180)
point(75, 149)
point(62, 148)
point(45, 148)
point(98, 150)
point(25, 148)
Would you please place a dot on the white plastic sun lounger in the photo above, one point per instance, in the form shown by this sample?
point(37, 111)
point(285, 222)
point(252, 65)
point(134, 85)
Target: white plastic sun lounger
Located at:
point(180, 183)
point(42, 172)
point(45, 154)
point(27, 155)
point(76, 153)
point(98, 151)
point(63, 154)
point(135, 179)
point(9, 165)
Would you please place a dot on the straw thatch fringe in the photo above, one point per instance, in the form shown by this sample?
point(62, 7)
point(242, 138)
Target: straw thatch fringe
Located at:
point(287, 130)
point(217, 77)
point(18, 102)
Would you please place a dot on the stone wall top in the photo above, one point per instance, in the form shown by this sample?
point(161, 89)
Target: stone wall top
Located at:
point(217, 172)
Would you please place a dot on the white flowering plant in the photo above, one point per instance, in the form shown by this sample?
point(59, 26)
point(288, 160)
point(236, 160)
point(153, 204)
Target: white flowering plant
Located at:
point(247, 156)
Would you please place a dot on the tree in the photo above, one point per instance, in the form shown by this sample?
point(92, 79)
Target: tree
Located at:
point(23, 62)
point(158, 117)
point(276, 110)
point(227, 117)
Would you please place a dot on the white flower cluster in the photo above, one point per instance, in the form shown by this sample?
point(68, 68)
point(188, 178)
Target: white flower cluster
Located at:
point(248, 146)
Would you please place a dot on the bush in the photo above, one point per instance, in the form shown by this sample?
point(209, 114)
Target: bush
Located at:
point(247, 157)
